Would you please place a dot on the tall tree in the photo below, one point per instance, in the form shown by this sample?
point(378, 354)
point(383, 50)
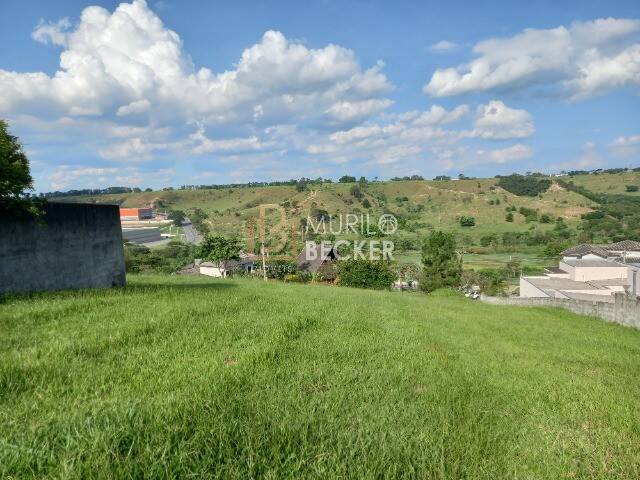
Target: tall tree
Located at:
point(441, 264)
point(220, 250)
point(15, 177)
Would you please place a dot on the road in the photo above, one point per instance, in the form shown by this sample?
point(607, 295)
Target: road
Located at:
point(191, 235)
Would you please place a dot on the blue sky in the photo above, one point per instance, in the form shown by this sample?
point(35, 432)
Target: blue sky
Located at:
point(170, 93)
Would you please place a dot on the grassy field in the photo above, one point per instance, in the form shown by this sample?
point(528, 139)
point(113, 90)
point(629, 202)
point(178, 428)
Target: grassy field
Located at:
point(182, 376)
point(608, 183)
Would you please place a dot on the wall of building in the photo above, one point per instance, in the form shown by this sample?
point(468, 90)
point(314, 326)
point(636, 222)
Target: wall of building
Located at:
point(584, 274)
point(212, 271)
point(625, 310)
point(76, 246)
point(567, 268)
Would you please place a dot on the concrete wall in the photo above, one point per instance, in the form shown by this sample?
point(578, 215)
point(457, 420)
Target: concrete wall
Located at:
point(76, 246)
point(625, 310)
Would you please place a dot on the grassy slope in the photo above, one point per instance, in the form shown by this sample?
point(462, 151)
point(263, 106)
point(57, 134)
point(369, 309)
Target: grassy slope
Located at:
point(444, 203)
point(174, 376)
point(608, 183)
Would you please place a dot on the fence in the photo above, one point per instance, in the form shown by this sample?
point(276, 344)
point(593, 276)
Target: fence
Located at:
point(624, 310)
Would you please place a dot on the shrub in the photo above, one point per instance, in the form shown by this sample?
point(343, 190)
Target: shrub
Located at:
point(300, 277)
point(363, 273)
point(279, 269)
point(169, 259)
point(356, 192)
point(327, 273)
point(530, 215)
point(467, 221)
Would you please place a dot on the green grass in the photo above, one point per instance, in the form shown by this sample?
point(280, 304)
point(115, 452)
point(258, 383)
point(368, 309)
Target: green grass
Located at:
point(181, 376)
point(608, 183)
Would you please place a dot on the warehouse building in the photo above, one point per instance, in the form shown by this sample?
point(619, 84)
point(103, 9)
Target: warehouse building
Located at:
point(136, 214)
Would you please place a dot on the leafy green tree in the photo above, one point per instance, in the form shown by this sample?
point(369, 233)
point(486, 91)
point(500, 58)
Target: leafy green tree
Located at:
point(529, 186)
point(301, 185)
point(220, 250)
point(176, 217)
point(15, 176)
point(347, 179)
point(441, 264)
point(553, 249)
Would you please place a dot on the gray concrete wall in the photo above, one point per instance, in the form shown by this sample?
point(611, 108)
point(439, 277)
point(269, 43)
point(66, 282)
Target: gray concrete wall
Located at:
point(77, 246)
point(625, 310)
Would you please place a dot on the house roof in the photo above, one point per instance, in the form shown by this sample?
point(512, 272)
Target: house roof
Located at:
point(611, 282)
point(590, 297)
point(554, 270)
point(585, 249)
point(549, 283)
point(624, 245)
point(578, 262)
point(245, 258)
point(312, 263)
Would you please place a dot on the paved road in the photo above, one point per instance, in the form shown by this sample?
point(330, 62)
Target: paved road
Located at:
point(191, 235)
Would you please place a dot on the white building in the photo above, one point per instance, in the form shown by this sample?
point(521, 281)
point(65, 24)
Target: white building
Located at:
point(587, 270)
point(219, 270)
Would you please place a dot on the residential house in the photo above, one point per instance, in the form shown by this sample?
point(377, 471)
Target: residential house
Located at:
point(589, 272)
point(315, 255)
point(220, 270)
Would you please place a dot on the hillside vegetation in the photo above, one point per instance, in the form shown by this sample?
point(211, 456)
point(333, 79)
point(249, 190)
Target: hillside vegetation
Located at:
point(181, 376)
point(424, 205)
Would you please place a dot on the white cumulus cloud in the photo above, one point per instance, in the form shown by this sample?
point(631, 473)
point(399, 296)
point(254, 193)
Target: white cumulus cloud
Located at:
point(128, 62)
point(582, 60)
point(497, 121)
point(626, 147)
point(443, 46)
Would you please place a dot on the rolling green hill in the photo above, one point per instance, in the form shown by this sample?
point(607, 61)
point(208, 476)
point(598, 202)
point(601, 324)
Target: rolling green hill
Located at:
point(608, 183)
point(192, 377)
point(423, 206)
point(428, 204)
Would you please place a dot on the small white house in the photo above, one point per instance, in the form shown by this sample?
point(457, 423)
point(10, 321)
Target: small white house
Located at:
point(219, 270)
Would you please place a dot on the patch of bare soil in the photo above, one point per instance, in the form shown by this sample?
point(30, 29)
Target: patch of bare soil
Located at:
point(576, 211)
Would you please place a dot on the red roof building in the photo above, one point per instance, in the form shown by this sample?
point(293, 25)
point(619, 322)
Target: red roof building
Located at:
point(136, 213)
